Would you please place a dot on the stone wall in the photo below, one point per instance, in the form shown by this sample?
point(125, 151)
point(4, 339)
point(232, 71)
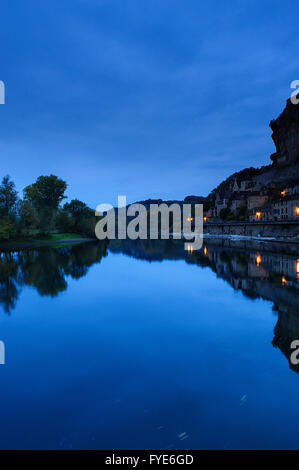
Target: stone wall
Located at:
point(278, 230)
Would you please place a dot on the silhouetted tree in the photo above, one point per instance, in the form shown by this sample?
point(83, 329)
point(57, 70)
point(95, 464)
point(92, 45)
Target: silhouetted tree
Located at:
point(8, 207)
point(45, 195)
point(8, 197)
point(28, 218)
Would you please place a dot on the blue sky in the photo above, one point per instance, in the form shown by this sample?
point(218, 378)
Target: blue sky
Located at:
point(142, 98)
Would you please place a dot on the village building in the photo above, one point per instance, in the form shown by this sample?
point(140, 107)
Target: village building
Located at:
point(245, 186)
point(261, 214)
point(256, 199)
point(250, 186)
point(290, 188)
point(238, 200)
point(222, 201)
point(267, 200)
point(286, 208)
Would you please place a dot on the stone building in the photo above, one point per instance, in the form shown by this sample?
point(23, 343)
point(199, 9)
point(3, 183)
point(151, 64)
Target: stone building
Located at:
point(246, 186)
point(238, 200)
point(256, 200)
point(222, 200)
point(261, 214)
point(286, 208)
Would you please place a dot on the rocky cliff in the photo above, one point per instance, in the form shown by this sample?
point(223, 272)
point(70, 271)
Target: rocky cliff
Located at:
point(286, 135)
point(285, 167)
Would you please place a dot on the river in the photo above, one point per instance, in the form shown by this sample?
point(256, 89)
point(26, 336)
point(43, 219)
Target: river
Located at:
point(137, 345)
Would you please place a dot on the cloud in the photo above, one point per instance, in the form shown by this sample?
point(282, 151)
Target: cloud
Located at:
point(142, 97)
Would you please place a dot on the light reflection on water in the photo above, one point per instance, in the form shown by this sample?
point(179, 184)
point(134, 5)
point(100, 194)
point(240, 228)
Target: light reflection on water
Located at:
point(145, 345)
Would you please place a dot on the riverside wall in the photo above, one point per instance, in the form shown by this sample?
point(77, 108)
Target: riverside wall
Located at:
point(283, 229)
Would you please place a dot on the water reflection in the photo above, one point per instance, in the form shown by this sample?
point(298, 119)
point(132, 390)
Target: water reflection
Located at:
point(259, 270)
point(46, 269)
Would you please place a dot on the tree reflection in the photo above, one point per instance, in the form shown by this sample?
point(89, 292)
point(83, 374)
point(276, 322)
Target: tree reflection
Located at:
point(46, 269)
point(267, 271)
point(9, 281)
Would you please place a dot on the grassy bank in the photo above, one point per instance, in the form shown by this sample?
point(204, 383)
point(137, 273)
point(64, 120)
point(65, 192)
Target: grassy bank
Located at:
point(43, 238)
point(53, 238)
point(56, 237)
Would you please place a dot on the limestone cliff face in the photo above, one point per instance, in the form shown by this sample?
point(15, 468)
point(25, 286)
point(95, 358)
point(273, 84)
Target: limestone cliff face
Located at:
point(286, 135)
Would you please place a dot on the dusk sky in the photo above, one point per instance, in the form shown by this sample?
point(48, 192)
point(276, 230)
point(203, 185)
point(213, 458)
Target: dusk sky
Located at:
point(143, 98)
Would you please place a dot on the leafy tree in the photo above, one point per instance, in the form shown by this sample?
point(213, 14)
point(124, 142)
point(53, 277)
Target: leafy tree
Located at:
point(28, 218)
point(64, 221)
point(8, 197)
point(86, 226)
point(47, 191)
point(8, 208)
point(7, 227)
point(76, 209)
point(45, 195)
point(82, 218)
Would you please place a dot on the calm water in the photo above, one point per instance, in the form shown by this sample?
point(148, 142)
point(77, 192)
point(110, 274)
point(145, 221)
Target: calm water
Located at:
point(146, 346)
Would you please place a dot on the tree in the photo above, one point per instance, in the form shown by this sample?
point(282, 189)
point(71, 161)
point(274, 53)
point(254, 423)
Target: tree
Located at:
point(8, 197)
point(28, 218)
point(45, 195)
point(80, 215)
point(76, 209)
point(8, 208)
point(7, 227)
point(64, 221)
point(226, 214)
point(47, 191)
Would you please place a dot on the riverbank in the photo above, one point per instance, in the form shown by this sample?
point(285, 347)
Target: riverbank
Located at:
point(287, 231)
point(292, 241)
point(53, 239)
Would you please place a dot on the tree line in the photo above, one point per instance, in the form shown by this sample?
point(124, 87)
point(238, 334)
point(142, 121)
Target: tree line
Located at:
point(40, 211)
